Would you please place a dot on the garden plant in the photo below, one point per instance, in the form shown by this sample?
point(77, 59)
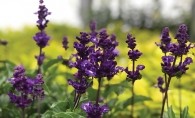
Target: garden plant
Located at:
point(89, 71)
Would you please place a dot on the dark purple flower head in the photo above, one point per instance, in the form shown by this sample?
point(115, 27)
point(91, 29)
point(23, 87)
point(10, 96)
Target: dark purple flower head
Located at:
point(94, 110)
point(131, 41)
point(81, 86)
point(165, 38)
point(88, 68)
point(134, 75)
point(42, 14)
point(3, 42)
point(134, 54)
point(165, 41)
point(182, 36)
point(41, 39)
point(40, 58)
point(65, 43)
point(19, 71)
point(20, 101)
point(84, 38)
point(167, 59)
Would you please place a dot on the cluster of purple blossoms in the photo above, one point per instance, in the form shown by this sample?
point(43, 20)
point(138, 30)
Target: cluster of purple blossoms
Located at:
point(133, 54)
point(174, 50)
point(25, 86)
point(95, 58)
point(94, 110)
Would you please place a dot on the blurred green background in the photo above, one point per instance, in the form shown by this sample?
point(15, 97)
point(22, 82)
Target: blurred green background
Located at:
point(21, 49)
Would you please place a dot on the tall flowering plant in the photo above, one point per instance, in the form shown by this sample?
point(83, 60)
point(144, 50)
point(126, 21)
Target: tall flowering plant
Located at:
point(24, 87)
point(41, 38)
point(133, 74)
point(95, 58)
point(173, 51)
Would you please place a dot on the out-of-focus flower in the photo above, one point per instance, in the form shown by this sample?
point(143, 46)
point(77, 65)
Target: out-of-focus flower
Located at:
point(40, 58)
point(3, 42)
point(94, 110)
point(65, 43)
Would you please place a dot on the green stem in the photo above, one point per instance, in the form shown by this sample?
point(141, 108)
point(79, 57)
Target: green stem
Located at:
point(98, 92)
point(132, 100)
point(180, 96)
point(166, 89)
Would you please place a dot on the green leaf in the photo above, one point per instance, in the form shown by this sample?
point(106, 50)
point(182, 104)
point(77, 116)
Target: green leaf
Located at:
point(47, 114)
point(50, 63)
point(9, 68)
point(171, 114)
point(185, 112)
point(137, 98)
point(68, 115)
point(60, 106)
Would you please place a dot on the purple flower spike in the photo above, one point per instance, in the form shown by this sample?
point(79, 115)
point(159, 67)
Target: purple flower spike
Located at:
point(65, 43)
point(42, 14)
point(182, 36)
point(94, 110)
point(165, 38)
point(93, 26)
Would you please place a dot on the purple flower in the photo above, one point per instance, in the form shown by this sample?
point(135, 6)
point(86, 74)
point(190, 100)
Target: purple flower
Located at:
point(81, 86)
point(131, 41)
point(134, 54)
point(88, 68)
point(182, 36)
point(41, 39)
point(20, 101)
point(167, 59)
point(134, 75)
point(94, 110)
point(140, 67)
point(65, 43)
point(165, 41)
point(19, 71)
point(187, 61)
point(160, 84)
point(25, 86)
point(40, 58)
point(3, 42)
